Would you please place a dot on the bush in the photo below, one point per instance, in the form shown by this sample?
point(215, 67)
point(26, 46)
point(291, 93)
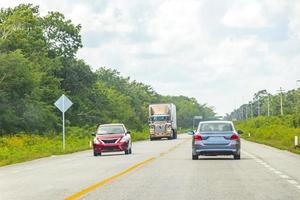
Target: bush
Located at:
point(278, 132)
point(24, 147)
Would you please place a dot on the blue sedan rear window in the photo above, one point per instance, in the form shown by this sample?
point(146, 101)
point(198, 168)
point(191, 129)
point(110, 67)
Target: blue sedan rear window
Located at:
point(212, 127)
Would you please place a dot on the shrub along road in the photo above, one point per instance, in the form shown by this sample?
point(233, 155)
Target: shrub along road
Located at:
point(156, 170)
point(274, 131)
point(25, 147)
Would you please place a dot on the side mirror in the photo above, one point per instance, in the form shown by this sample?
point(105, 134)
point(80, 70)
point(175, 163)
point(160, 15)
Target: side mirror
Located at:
point(190, 132)
point(93, 134)
point(240, 132)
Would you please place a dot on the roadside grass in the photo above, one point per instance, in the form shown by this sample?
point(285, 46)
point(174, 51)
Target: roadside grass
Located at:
point(183, 130)
point(277, 132)
point(25, 147)
point(141, 135)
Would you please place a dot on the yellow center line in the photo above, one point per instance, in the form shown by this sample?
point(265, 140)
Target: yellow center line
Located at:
point(122, 173)
point(173, 148)
point(92, 187)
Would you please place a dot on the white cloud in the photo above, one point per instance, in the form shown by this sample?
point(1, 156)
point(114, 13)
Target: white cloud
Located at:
point(112, 19)
point(175, 24)
point(294, 22)
point(245, 14)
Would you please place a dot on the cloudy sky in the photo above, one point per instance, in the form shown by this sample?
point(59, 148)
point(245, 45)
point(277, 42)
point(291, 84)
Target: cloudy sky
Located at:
point(220, 52)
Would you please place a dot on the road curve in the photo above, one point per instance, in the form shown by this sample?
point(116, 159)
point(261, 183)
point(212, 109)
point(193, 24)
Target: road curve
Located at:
point(157, 170)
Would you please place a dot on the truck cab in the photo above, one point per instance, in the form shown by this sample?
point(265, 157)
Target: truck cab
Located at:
point(162, 121)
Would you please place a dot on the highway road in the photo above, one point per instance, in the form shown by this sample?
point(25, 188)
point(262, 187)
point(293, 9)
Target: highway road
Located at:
point(156, 170)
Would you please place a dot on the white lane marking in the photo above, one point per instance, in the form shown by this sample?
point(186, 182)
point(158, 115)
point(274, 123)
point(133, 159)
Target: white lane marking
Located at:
point(285, 176)
point(259, 161)
point(291, 181)
point(272, 169)
point(266, 165)
point(248, 154)
point(279, 173)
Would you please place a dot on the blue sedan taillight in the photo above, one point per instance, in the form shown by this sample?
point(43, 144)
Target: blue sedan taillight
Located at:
point(197, 137)
point(234, 137)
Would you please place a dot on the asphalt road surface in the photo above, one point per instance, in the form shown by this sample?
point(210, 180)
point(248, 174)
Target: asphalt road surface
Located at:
point(156, 170)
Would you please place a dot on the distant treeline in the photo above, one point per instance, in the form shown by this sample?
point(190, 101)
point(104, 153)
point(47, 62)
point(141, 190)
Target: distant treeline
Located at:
point(38, 63)
point(266, 104)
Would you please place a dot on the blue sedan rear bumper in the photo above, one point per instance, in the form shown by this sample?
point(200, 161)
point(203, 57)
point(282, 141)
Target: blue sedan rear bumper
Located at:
point(231, 149)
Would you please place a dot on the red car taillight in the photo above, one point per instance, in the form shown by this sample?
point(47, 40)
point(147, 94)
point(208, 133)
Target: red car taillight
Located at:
point(234, 137)
point(197, 137)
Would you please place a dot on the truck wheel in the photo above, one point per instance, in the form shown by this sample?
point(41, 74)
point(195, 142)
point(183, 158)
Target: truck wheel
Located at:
point(127, 151)
point(130, 150)
point(174, 135)
point(194, 157)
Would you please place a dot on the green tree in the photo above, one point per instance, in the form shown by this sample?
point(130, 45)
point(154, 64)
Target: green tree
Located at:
point(17, 94)
point(20, 29)
point(38, 63)
point(62, 37)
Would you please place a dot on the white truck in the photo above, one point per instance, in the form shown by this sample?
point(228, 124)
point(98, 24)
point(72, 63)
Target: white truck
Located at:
point(162, 121)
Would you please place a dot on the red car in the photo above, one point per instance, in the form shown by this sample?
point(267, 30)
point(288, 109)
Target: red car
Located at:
point(111, 138)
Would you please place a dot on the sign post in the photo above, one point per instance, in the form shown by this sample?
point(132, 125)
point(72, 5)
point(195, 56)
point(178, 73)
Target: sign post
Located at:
point(63, 104)
point(196, 117)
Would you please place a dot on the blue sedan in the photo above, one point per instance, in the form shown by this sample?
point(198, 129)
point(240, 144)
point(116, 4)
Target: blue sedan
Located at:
point(216, 138)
